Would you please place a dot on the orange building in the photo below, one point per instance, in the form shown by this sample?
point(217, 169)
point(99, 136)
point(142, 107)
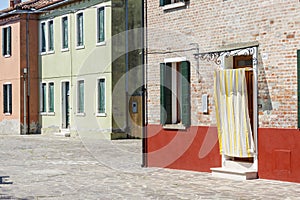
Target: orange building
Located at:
point(18, 71)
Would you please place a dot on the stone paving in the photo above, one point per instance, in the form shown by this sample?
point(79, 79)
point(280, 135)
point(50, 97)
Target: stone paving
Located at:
point(52, 167)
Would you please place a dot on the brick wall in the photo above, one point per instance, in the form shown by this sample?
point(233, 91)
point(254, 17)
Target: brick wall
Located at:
point(275, 25)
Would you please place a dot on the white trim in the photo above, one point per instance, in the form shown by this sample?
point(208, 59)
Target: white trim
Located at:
point(173, 5)
point(101, 114)
point(79, 47)
point(176, 59)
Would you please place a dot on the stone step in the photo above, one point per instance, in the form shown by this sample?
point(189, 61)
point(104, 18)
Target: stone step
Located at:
point(235, 174)
point(238, 165)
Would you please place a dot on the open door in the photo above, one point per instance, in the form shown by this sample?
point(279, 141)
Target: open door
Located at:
point(65, 101)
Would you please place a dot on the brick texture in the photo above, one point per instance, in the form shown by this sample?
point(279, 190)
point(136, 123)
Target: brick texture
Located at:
point(273, 24)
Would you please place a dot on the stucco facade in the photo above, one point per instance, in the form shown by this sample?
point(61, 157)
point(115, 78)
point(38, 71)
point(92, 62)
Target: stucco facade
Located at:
point(18, 91)
point(203, 33)
point(88, 63)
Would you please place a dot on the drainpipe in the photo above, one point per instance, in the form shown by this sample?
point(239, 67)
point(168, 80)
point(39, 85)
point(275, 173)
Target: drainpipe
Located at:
point(27, 96)
point(144, 78)
point(126, 69)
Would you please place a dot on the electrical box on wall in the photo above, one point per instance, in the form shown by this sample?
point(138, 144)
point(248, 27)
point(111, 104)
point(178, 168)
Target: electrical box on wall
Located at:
point(204, 103)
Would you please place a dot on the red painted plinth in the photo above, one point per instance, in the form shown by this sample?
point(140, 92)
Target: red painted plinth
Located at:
point(196, 148)
point(279, 154)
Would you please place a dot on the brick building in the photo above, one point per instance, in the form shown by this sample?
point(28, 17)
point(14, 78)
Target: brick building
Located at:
point(187, 41)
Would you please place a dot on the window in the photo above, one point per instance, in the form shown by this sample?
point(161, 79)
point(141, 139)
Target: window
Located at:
point(65, 35)
point(6, 41)
point(100, 25)
point(43, 98)
point(43, 37)
point(80, 97)
point(175, 93)
point(7, 98)
point(166, 2)
point(79, 31)
point(51, 97)
point(101, 96)
point(50, 36)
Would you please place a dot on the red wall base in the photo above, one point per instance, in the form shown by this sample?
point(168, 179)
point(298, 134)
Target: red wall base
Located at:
point(197, 149)
point(279, 154)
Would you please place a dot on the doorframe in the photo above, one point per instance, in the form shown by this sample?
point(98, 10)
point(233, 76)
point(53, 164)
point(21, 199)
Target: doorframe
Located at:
point(227, 64)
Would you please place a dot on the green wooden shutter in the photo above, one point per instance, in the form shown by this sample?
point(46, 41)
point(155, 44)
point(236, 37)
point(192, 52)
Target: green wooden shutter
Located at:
point(161, 2)
point(8, 50)
point(10, 98)
point(4, 99)
point(165, 93)
point(65, 34)
point(185, 93)
point(81, 97)
point(51, 36)
point(298, 84)
point(3, 42)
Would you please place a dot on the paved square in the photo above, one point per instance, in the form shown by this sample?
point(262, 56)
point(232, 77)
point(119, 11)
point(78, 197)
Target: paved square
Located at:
point(52, 167)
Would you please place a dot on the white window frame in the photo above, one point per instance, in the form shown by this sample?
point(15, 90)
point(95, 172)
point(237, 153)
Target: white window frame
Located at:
point(77, 98)
point(97, 24)
point(98, 114)
point(174, 4)
point(8, 97)
point(76, 30)
point(62, 33)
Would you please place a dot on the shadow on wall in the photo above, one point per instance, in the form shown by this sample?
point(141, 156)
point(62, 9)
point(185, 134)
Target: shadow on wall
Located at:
point(264, 99)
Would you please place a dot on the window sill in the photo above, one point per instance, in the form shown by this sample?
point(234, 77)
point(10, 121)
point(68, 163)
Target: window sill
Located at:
point(51, 113)
point(7, 114)
point(64, 50)
point(79, 47)
point(174, 126)
point(7, 56)
point(80, 114)
point(100, 44)
point(101, 114)
point(43, 53)
point(173, 5)
point(43, 113)
point(51, 52)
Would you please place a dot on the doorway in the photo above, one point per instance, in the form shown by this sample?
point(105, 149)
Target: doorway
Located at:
point(65, 104)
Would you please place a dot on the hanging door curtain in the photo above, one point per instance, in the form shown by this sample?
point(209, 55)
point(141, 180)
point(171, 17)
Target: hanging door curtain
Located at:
point(231, 102)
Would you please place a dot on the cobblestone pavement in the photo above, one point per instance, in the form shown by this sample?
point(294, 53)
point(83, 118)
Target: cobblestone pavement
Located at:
point(51, 167)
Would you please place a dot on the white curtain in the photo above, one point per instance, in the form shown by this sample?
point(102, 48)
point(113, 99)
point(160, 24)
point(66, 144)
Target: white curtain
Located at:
point(231, 103)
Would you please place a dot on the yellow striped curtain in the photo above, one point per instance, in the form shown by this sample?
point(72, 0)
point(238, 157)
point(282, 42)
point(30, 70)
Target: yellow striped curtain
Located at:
point(231, 103)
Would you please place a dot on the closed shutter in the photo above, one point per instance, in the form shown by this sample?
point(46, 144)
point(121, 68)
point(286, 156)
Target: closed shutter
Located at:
point(81, 97)
point(51, 39)
point(43, 45)
point(65, 34)
point(8, 51)
point(298, 83)
point(165, 93)
point(185, 91)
